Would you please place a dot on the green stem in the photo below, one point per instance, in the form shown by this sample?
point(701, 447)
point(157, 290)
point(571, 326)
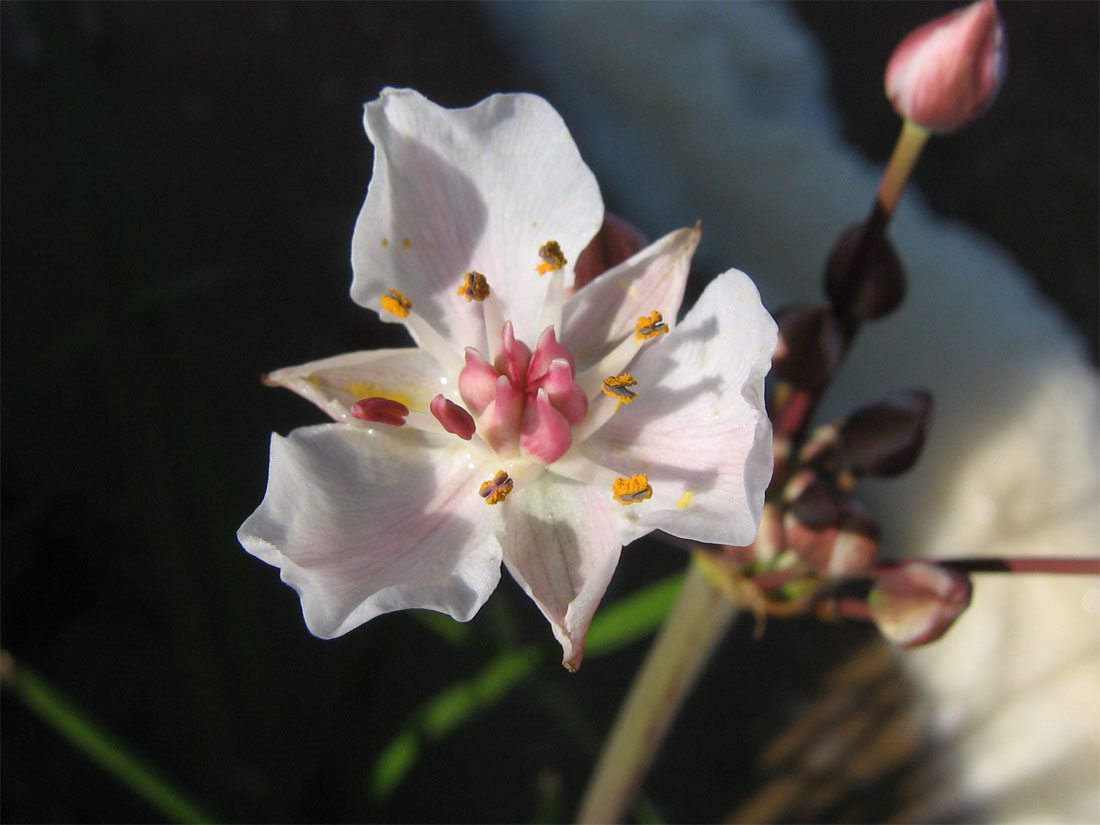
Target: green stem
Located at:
point(70, 723)
point(698, 621)
point(906, 152)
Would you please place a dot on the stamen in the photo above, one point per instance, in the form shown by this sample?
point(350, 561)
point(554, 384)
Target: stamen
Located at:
point(396, 303)
point(618, 386)
point(650, 326)
point(552, 257)
point(380, 411)
point(454, 418)
point(632, 490)
point(474, 287)
point(496, 490)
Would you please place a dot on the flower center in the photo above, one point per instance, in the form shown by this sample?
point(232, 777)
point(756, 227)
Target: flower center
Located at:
point(527, 402)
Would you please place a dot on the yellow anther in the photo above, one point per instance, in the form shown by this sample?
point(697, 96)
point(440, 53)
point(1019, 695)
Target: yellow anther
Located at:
point(396, 303)
point(650, 326)
point(496, 490)
point(632, 490)
point(474, 287)
point(552, 257)
point(618, 386)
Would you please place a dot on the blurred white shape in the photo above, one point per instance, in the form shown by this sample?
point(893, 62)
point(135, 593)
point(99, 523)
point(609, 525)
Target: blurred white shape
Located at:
point(719, 112)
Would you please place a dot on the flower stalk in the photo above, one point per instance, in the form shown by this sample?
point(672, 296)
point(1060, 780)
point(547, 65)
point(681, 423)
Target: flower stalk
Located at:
point(902, 162)
point(698, 621)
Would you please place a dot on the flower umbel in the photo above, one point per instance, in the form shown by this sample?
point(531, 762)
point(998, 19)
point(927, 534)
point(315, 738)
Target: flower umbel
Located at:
point(523, 427)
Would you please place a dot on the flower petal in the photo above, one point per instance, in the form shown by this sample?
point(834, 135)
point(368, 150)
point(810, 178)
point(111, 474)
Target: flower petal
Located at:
point(697, 427)
point(456, 190)
point(605, 312)
point(562, 547)
point(364, 522)
point(409, 376)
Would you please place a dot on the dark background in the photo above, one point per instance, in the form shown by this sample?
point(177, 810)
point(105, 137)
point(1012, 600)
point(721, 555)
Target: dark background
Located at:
point(180, 184)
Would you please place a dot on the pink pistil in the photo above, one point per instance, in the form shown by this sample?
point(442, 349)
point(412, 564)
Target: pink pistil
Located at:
point(526, 401)
point(546, 434)
point(454, 418)
point(380, 411)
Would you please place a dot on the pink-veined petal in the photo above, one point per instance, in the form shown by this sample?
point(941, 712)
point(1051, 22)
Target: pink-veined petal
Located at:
point(455, 190)
point(606, 311)
point(409, 376)
point(363, 523)
point(698, 427)
point(562, 547)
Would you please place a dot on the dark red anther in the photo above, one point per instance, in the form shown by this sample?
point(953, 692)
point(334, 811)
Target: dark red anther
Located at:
point(380, 411)
point(454, 418)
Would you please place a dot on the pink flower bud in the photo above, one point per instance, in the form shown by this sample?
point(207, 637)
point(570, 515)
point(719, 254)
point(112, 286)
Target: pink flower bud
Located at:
point(918, 602)
point(947, 72)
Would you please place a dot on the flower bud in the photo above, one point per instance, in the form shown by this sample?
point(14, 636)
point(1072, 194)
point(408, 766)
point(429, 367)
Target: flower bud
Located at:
point(831, 531)
point(865, 283)
point(885, 438)
point(947, 72)
point(616, 241)
point(811, 344)
point(918, 602)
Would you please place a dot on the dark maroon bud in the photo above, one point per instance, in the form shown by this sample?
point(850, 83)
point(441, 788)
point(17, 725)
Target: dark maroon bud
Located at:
point(864, 279)
point(885, 438)
point(831, 531)
point(811, 344)
point(918, 602)
point(616, 241)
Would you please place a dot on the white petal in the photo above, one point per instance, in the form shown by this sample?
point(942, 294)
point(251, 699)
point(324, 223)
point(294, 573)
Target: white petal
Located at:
point(562, 547)
point(409, 376)
point(698, 427)
point(605, 311)
point(479, 189)
point(364, 522)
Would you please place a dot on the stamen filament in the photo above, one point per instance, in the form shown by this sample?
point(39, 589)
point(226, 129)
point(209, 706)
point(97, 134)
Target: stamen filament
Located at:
point(494, 323)
point(580, 468)
point(600, 410)
point(553, 301)
point(436, 345)
point(614, 363)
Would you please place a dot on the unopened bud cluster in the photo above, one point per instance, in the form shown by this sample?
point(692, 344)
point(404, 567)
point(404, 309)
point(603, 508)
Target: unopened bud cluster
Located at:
point(818, 548)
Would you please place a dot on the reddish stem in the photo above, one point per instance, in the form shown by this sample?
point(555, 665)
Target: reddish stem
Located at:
point(1020, 564)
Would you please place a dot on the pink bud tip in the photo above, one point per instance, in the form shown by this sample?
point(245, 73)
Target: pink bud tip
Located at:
point(918, 602)
point(947, 72)
point(380, 411)
point(454, 418)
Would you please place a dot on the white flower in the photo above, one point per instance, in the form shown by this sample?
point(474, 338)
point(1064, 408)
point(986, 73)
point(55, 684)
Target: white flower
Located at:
point(525, 428)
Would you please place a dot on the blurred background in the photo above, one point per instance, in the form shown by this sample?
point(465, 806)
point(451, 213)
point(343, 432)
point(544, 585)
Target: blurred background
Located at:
point(180, 182)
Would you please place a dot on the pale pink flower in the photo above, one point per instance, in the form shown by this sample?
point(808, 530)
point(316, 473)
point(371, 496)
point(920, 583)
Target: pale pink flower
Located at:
point(522, 428)
point(947, 72)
